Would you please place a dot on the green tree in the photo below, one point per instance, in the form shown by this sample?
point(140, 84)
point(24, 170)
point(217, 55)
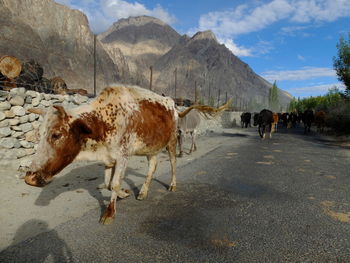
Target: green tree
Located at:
point(341, 62)
point(273, 97)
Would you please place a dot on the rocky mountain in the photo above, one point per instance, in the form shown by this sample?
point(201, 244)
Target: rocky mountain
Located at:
point(200, 63)
point(59, 39)
point(142, 40)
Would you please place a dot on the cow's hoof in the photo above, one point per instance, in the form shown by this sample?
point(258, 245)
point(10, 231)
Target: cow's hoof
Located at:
point(123, 193)
point(172, 188)
point(106, 220)
point(141, 196)
point(101, 186)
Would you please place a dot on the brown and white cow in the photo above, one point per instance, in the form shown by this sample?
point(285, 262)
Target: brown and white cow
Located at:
point(122, 121)
point(275, 121)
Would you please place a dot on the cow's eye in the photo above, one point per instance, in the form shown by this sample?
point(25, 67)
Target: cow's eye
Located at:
point(56, 136)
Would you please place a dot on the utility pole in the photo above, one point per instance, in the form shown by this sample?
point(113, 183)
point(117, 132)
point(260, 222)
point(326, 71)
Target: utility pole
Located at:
point(209, 94)
point(195, 92)
point(94, 65)
point(226, 97)
point(218, 98)
point(150, 81)
point(175, 72)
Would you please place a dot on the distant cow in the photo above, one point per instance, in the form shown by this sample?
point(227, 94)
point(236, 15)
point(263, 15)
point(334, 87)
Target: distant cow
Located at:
point(308, 119)
point(320, 120)
point(245, 119)
point(264, 121)
point(292, 120)
point(190, 123)
point(284, 118)
point(275, 121)
point(122, 121)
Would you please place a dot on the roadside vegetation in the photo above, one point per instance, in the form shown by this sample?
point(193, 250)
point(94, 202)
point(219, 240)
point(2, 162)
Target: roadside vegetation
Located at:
point(336, 103)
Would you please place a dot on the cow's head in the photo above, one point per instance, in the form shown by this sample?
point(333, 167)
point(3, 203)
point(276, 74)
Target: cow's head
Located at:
point(61, 139)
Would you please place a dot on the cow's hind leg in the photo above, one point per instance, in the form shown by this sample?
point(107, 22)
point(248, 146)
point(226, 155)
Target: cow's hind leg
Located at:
point(172, 156)
point(118, 175)
point(180, 140)
point(193, 145)
point(152, 166)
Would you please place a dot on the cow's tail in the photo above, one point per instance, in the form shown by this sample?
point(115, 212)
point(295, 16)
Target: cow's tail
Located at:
point(206, 110)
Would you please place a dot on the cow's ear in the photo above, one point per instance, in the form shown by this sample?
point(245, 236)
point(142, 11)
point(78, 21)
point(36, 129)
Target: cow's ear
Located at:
point(82, 127)
point(61, 112)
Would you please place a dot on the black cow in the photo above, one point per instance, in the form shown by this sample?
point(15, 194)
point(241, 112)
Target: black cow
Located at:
point(292, 120)
point(308, 119)
point(284, 118)
point(245, 119)
point(264, 121)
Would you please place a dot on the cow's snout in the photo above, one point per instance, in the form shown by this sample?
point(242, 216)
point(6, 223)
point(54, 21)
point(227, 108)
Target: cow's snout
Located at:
point(35, 179)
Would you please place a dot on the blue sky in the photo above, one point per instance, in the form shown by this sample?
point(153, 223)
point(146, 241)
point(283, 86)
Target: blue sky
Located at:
point(290, 41)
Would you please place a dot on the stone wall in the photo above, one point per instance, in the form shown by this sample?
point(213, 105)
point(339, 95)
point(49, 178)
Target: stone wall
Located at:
point(18, 127)
point(18, 136)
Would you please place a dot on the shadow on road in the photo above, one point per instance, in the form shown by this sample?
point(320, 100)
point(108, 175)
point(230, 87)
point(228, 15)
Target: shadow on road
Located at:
point(79, 179)
point(136, 188)
point(87, 178)
point(39, 248)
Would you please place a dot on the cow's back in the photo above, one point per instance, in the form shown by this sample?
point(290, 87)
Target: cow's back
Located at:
point(190, 122)
point(139, 119)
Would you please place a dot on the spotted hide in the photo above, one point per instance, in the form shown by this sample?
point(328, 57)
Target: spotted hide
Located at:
point(122, 121)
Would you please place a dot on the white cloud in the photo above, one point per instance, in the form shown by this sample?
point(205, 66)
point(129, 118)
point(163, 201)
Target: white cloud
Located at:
point(244, 19)
point(300, 57)
point(315, 90)
point(320, 10)
point(241, 20)
point(103, 13)
point(235, 49)
point(301, 74)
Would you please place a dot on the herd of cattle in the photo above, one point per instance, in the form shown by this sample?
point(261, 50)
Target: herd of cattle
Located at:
point(267, 120)
point(124, 121)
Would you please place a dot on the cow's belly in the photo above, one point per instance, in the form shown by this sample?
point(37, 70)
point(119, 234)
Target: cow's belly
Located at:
point(141, 148)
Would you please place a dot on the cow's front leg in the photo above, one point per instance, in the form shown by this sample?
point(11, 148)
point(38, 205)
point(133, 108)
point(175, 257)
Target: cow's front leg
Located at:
point(109, 171)
point(181, 141)
point(118, 175)
point(152, 166)
point(172, 156)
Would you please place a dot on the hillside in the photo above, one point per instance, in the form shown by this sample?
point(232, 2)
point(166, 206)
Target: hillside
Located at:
point(199, 61)
point(58, 38)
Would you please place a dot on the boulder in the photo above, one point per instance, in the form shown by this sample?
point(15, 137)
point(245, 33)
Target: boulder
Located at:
point(17, 101)
point(26, 127)
point(4, 123)
point(4, 132)
point(9, 143)
point(9, 114)
point(13, 122)
point(2, 115)
point(5, 105)
point(18, 110)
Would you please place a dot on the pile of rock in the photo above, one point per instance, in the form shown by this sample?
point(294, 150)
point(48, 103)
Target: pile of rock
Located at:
point(18, 127)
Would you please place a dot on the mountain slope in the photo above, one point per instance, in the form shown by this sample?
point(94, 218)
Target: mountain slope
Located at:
point(58, 38)
point(198, 61)
point(142, 40)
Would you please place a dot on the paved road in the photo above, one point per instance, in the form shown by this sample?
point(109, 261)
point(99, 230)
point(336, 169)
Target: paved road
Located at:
point(286, 199)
